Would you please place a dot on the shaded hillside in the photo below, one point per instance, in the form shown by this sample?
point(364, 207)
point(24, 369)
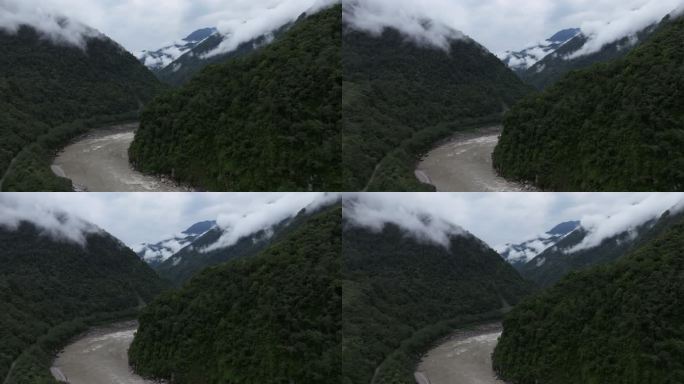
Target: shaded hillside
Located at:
point(553, 67)
point(273, 318)
point(619, 323)
point(52, 289)
point(267, 121)
point(556, 262)
point(613, 127)
point(400, 295)
point(400, 98)
point(51, 92)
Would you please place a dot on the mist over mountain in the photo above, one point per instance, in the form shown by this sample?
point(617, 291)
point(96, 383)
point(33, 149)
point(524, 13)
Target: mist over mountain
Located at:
point(403, 291)
point(54, 285)
point(271, 318)
point(585, 113)
point(407, 86)
point(617, 323)
point(593, 245)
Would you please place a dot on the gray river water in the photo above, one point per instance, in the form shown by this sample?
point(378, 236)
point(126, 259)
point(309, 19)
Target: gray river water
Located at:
point(98, 162)
point(464, 164)
point(99, 357)
point(465, 358)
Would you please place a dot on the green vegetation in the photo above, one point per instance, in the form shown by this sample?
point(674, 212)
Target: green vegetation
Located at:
point(267, 121)
point(50, 290)
point(618, 323)
point(49, 93)
point(400, 295)
point(271, 318)
point(613, 127)
point(556, 262)
point(399, 98)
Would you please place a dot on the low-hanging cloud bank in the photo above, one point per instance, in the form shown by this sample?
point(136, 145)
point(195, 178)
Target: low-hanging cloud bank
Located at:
point(247, 22)
point(410, 212)
point(427, 24)
point(627, 24)
point(601, 226)
point(49, 23)
point(263, 216)
point(52, 222)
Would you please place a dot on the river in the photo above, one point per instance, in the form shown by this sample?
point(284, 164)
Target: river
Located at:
point(465, 358)
point(98, 162)
point(99, 357)
point(464, 164)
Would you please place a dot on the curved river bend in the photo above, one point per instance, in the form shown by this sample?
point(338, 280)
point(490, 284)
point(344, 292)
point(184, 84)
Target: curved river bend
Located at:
point(99, 357)
point(465, 358)
point(464, 164)
point(98, 162)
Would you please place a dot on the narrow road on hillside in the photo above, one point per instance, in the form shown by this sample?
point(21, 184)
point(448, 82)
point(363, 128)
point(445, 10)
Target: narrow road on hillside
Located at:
point(98, 162)
point(465, 358)
point(464, 164)
point(99, 357)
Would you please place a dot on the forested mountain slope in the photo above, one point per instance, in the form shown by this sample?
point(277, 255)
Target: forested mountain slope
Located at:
point(399, 98)
point(402, 294)
point(556, 262)
point(51, 289)
point(50, 92)
point(613, 127)
point(267, 121)
point(618, 323)
point(272, 318)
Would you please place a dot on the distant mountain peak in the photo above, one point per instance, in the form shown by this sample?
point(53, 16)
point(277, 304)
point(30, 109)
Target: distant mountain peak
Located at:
point(200, 34)
point(519, 254)
point(162, 57)
point(524, 59)
point(159, 252)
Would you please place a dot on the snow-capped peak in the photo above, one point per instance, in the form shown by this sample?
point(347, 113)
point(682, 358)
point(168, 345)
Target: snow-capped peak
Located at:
point(519, 254)
point(159, 252)
point(526, 58)
point(162, 57)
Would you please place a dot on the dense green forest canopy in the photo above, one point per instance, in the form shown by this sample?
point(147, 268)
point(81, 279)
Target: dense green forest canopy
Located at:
point(266, 121)
point(615, 126)
point(399, 98)
point(396, 288)
point(45, 86)
point(50, 289)
point(556, 262)
point(618, 323)
point(271, 318)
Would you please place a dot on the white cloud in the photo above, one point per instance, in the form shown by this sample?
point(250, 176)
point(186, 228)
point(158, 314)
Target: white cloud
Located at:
point(605, 225)
point(50, 24)
point(247, 20)
point(250, 219)
point(502, 218)
point(627, 23)
point(51, 221)
point(502, 25)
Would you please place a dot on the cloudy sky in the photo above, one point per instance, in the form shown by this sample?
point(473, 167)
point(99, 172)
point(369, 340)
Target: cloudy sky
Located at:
point(150, 217)
point(145, 24)
point(500, 218)
point(502, 25)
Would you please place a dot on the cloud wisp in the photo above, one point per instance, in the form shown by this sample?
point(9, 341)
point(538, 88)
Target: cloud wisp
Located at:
point(53, 26)
point(601, 226)
point(55, 223)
